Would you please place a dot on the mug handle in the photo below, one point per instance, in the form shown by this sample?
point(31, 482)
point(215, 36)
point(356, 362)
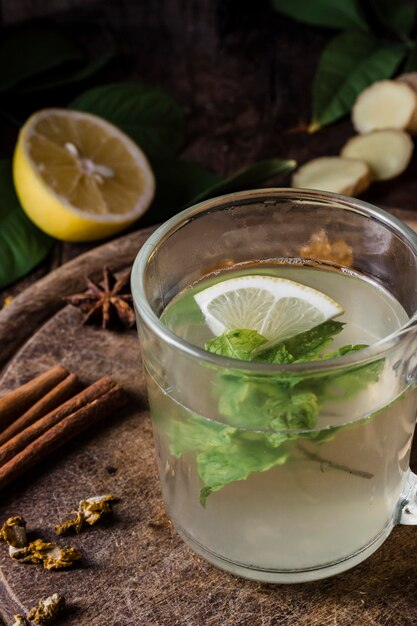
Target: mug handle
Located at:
point(407, 513)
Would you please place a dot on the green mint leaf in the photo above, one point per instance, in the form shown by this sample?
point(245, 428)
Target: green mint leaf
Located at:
point(351, 381)
point(309, 345)
point(236, 344)
point(196, 433)
point(348, 349)
point(342, 15)
point(266, 405)
point(351, 62)
point(263, 414)
point(148, 115)
point(221, 465)
point(22, 244)
point(278, 355)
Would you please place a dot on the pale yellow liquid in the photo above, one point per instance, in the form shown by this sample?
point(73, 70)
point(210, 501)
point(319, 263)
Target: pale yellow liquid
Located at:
point(310, 512)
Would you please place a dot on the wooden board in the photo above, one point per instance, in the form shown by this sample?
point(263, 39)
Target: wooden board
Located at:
point(133, 574)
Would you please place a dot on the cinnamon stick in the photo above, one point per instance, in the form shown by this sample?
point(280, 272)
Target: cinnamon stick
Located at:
point(17, 443)
point(14, 403)
point(54, 398)
point(62, 432)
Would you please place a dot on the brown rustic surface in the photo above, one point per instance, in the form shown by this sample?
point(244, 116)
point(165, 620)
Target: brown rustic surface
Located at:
point(133, 574)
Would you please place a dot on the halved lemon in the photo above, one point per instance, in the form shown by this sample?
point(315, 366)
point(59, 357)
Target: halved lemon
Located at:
point(276, 307)
point(78, 177)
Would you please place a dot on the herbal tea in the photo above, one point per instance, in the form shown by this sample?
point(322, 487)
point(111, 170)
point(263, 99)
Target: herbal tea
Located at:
point(284, 470)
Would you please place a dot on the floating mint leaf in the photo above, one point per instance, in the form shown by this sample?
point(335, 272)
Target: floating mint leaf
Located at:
point(237, 344)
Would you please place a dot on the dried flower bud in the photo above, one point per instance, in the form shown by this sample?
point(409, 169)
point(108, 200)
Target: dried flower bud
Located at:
point(48, 610)
point(20, 621)
point(74, 523)
point(13, 532)
point(59, 558)
point(48, 553)
point(89, 512)
point(94, 508)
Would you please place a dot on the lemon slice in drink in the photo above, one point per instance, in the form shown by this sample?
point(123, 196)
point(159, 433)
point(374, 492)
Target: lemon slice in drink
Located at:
point(78, 177)
point(276, 307)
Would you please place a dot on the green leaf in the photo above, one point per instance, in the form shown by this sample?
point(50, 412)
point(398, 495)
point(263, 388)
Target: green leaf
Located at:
point(197, 433)
point(393, 20)
point(411, 62)
point(236, 344)
point(260, 415)
point(32, 50)
point(340, 14)
point(351, 62)
point(247, 178)
point(177, 182)
point(221, 465)
point(148, 115)
point(266, 404)
point(351, 381)
point(22, 244)
point(69, 77)
point(180, 184)
point(308, 346)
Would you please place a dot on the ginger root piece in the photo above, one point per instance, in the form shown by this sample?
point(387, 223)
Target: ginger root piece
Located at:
point(409, 79)
point(386, 104)
point(346, 176)
point(386, 152)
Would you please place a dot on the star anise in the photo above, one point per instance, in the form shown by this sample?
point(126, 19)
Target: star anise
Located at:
point(106, 305)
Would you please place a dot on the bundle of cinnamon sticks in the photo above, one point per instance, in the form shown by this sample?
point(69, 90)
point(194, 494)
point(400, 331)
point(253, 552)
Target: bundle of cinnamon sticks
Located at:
point(45, 413)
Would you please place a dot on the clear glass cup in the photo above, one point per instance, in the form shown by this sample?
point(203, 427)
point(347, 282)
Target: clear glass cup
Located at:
point(315, 501)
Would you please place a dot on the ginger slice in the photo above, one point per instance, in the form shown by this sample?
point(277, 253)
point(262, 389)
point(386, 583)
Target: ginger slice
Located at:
point(386, 104)
point(346, 176)
point(410, 79)
point(387, 152)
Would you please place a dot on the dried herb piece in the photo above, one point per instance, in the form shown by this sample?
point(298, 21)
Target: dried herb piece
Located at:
point(20, 621)
point(49, 554)
point(95, 507)
point(48, 610)
point(89, 512)
point(74, 523)
point(160, 522)
point(13, 532)
point(107, 306)
point(320, 247)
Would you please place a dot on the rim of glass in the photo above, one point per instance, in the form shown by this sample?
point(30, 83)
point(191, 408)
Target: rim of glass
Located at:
point(168, 228)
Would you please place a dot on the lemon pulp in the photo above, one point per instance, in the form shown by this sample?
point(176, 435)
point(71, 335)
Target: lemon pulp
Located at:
point(78, 177)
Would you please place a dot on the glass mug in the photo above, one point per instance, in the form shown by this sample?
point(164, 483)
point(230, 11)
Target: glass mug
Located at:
point(287, 504)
